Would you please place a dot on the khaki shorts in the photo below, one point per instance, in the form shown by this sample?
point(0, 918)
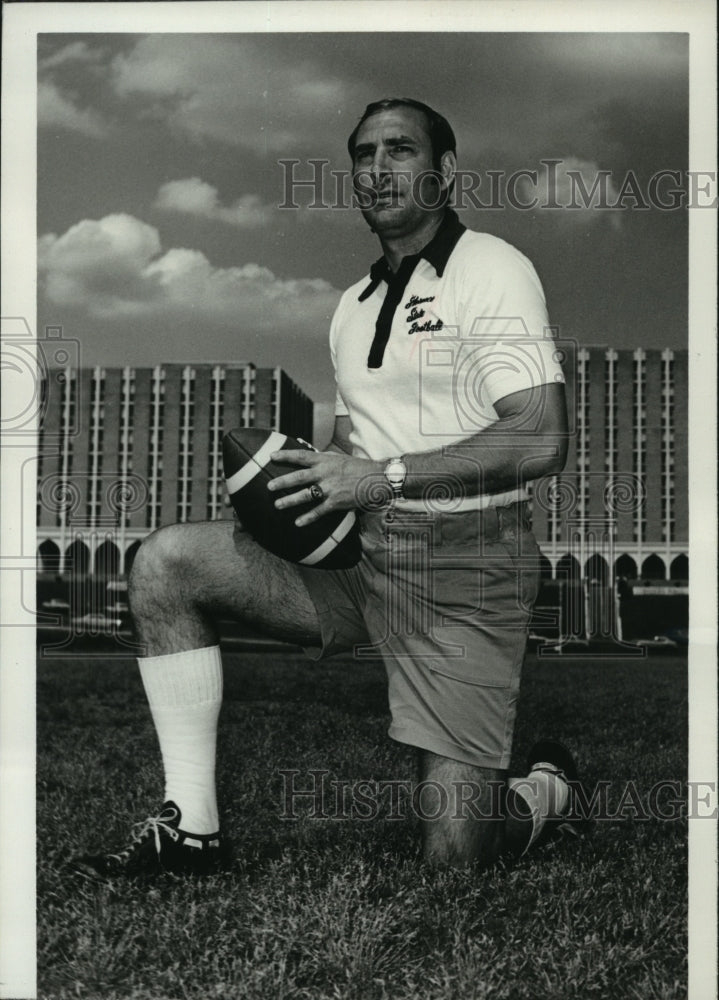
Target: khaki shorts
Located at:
point(445, 600)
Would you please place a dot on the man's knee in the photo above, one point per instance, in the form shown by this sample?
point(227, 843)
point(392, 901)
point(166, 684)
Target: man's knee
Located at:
point(461, 811)
point(164, 558)
point(158, 551)
point(457, 840)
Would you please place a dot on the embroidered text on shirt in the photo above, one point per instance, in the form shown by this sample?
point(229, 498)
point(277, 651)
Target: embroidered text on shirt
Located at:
point(427, 327)
point(415, 300)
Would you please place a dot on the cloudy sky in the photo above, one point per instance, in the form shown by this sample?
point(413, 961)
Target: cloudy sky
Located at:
point(161, 236)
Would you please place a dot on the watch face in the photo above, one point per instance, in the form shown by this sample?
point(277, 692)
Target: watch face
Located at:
point(395, 473)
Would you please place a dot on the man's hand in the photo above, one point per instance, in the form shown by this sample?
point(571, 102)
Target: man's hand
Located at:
point(338, 476)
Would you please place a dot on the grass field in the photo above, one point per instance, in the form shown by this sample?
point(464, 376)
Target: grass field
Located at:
point(342, 908)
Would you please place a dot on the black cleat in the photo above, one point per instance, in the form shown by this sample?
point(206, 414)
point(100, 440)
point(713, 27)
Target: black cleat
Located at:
point(553, 757)
point(158, 845)
point(554, 754)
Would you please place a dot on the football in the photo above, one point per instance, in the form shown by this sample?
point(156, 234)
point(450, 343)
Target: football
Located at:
point(332, 542)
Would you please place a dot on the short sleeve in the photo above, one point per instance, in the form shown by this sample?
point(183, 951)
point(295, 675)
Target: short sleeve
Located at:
point(505, 328)
point(340, 406)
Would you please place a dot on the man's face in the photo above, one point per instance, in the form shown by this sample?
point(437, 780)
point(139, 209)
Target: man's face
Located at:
point(392, 170)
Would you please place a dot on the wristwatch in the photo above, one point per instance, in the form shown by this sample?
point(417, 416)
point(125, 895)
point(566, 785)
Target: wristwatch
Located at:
point(395, 472)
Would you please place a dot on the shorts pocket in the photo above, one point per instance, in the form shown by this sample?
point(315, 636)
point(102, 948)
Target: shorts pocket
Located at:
point(524, 554)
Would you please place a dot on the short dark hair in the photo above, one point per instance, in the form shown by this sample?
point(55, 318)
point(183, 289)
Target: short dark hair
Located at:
point(440, 131)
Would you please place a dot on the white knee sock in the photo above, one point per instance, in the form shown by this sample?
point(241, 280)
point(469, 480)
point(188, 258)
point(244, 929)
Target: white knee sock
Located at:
point(185, 693)
point(546, 794)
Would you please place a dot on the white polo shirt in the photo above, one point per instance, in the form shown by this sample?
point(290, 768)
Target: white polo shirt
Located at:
point(469, 327)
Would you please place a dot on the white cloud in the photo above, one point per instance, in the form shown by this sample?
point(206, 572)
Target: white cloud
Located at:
point(194, 196)
point(73, 53)
point(96, 264)
point(582, 189)
point(114, 268)
point(56, 109)
point(225, 89)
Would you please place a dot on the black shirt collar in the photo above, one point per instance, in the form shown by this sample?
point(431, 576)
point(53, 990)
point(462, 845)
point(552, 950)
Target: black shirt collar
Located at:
point(436, 253)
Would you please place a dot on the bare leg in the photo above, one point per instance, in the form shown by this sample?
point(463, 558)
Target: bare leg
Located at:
point(463, 813)
point(187, 576)
point(184, 579)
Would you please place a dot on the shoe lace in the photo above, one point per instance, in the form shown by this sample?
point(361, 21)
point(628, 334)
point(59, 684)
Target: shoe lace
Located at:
point(141, 830)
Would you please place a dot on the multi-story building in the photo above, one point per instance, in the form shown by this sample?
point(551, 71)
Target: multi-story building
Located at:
point(620, 508)
point(125, 450)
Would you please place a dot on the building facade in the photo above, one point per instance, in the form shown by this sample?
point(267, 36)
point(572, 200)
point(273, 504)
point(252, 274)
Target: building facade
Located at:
point(620, 508)
point(125, 450)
